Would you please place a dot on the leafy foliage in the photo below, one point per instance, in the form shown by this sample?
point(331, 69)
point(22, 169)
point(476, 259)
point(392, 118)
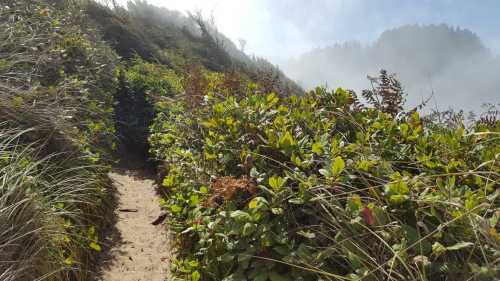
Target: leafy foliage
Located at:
point(139, 83)
point(314, 188)
point(260, 184)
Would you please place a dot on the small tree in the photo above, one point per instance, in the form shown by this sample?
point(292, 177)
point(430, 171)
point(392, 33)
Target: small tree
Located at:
point(243, 44)
point(387, 94)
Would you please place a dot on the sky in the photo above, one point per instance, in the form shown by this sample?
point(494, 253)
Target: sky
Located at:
point(283, 30)
point(280, 29)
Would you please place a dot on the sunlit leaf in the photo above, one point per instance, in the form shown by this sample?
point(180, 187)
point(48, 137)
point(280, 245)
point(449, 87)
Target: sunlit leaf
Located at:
point(337, 166)
point(240, 216)
point(459, 246)
point(317, 148)
point(195, 276)
point(276, 182)
point(95, 246)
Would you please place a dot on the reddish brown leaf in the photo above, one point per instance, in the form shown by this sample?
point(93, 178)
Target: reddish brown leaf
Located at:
point(368, 216)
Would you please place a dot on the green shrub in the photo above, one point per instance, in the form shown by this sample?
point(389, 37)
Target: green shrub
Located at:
point(315, 188)
point(141, 85)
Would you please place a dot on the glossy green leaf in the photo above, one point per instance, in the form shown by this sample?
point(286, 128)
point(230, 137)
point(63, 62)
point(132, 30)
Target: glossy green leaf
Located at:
point(337, 166)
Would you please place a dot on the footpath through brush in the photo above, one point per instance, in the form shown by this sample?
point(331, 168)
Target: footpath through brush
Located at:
point(138, 249)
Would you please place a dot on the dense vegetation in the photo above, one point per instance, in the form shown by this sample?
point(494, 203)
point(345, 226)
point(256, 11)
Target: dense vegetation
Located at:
point(260, 181)
point(65, 105)
point(320, 187)
point(56, 129)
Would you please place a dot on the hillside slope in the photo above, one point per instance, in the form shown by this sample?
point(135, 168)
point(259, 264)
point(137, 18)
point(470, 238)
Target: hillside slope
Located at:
point(257, 180)
point(75, 86)
point(174, 39)
point(152, 39)
point(56, 133)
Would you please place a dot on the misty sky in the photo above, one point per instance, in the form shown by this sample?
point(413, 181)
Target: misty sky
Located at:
point(279, 29)
point(282, 31)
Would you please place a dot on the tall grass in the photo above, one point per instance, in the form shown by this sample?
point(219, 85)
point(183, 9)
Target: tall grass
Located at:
point(56, 83)
point(353, 242)
point(20, 243)
point(50, 200)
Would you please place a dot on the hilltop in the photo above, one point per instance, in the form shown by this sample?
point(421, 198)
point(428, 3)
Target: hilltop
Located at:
point(447, 63)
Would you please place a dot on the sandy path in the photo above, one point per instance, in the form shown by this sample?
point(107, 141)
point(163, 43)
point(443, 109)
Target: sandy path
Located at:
point(139, 250)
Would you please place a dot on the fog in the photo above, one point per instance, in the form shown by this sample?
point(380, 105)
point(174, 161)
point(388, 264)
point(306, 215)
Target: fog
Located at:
point(339, 42)
point(449, 66)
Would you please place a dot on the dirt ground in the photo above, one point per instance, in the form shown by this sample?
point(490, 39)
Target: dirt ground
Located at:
point(137, 250)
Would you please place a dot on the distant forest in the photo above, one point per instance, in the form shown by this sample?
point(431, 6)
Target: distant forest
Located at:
point(450, 64)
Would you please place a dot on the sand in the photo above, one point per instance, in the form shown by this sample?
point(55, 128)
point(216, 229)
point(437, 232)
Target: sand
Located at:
point(138, 250)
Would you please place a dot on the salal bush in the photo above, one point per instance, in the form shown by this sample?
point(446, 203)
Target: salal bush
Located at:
point(319, 188)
